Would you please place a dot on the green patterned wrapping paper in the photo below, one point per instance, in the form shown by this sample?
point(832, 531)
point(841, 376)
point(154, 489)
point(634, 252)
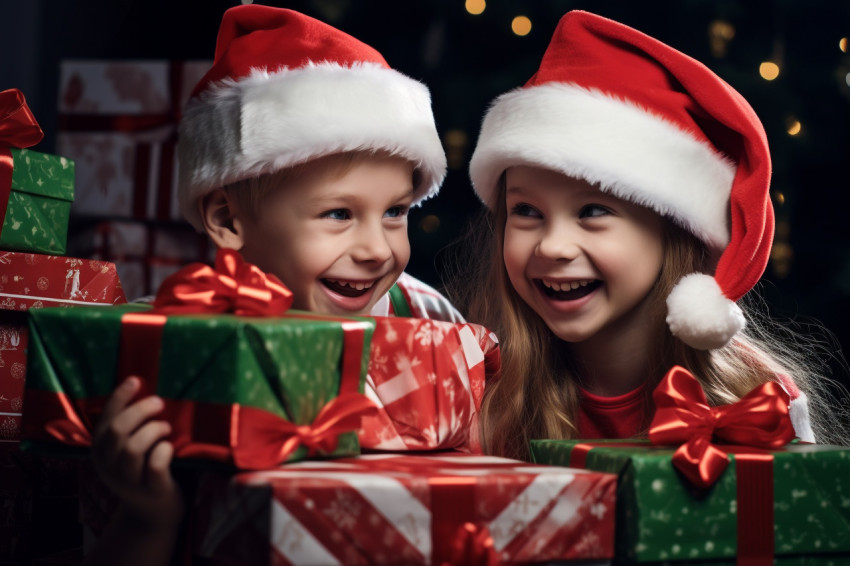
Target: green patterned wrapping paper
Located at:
point(288, 366)
point(660, 518)
point(39, 204)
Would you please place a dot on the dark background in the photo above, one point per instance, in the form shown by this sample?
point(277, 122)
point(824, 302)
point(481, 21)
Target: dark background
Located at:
point(467, 60)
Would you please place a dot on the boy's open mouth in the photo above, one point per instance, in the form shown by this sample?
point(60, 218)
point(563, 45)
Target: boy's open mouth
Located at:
point(567, 290)
point(348, 288)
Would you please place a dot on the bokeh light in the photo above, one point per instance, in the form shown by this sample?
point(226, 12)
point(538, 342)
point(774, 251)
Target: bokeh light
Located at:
point(475, 7)
point(793, 127)
point(430, 224)
point(521, 25)
point(769, 70)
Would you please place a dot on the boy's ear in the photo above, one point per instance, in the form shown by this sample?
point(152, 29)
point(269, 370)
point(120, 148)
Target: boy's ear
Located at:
point(221, 221)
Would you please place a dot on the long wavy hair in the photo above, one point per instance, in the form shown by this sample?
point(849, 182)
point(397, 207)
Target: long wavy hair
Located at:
point(535, 394)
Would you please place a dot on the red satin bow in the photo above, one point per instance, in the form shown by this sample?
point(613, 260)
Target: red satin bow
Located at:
point(234, 286)
point(18, 127)
point(264, 440)
point(473, 546)
point(682, 416)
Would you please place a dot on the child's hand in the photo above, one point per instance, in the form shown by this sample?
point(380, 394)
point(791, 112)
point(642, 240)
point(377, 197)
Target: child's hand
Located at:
point(133, 459)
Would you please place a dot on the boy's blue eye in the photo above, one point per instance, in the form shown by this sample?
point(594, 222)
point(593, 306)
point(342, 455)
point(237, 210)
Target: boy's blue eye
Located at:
point(396, 212)
point(337, 214)
point(523, 209)
point(593, 210)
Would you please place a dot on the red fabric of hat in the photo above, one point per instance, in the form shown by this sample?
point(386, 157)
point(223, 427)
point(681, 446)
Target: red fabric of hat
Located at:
point(652, 125)
point(284, 89)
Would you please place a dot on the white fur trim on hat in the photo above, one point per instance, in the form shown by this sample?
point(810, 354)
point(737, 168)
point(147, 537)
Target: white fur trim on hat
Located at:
point(631, 152)
point(700, 315)
point(272, 120)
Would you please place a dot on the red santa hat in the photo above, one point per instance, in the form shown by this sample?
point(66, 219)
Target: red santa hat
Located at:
point(651, 125)
point(285, 89)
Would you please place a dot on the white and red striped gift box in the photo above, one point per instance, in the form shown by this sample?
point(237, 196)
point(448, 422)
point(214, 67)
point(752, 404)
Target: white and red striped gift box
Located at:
point(397, 509)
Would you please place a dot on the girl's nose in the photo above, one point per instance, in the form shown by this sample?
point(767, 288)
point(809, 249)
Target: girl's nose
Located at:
point(559, 242)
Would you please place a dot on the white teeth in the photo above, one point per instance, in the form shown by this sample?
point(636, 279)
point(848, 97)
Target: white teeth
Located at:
point(566, 285)
point(358, 285)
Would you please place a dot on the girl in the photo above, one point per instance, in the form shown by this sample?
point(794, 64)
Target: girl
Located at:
point(627, 188)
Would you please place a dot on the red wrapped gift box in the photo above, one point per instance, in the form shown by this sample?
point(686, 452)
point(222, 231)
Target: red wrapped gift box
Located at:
point(404, 509)
point(31, 281)
point(38, 493)
point(118, 121)
point(427, 378)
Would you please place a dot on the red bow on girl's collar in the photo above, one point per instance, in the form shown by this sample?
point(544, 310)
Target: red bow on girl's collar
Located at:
point(682, 416)
point(234, 286)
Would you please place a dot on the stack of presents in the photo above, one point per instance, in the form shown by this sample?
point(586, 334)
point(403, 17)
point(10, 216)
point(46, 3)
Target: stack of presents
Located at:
point(313, 439)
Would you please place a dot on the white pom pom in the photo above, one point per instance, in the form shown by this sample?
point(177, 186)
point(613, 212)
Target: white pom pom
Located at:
point(700, 315)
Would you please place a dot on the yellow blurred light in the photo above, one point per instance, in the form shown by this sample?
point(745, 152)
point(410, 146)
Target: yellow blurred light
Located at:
point(769, 70)
point(430, 224)
point(720, 33)
point(475, 7)
point(780, 197)
point(842, 44)
point(794, 127)
point(521, 25)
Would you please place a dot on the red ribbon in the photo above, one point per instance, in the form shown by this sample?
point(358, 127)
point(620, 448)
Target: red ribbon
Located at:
point(760, 420)
point(262, 440)
point(253, 438)
point(18, 128)
point(233, 286)
point(682, 417)
point(472, 545)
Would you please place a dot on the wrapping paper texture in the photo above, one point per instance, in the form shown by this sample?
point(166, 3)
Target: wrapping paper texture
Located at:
point(210, 367)
point(428, 379)
point(661, 517)
point(33, 281)
point(39, 205)
point(118, 121)
point(384, 509)
point(144, 252)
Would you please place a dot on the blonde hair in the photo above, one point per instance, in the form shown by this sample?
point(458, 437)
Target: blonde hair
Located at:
point(535, 394)
point(248, 194)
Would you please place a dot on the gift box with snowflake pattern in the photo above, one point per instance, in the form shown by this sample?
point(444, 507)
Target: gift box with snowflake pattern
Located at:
point(803, 503)
point(427, 378)
point(442, 508)
point(236, 388)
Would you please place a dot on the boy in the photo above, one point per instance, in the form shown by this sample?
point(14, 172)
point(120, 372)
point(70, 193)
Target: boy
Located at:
point(303, 150)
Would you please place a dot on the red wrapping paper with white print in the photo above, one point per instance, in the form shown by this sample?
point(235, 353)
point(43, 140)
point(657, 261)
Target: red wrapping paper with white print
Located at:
point(386, 509)
point(31, 281)
point(118, 119)
point(427, 379)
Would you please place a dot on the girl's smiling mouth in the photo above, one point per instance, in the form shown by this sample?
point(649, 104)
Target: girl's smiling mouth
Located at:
point(567, 290)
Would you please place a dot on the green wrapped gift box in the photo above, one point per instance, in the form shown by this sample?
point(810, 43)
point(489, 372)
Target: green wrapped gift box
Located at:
point(661, 518)
point(227, 380)
point(39, 203)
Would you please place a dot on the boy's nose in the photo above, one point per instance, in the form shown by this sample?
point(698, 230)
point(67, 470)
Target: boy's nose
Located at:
point(371, 244)
point(559, 242)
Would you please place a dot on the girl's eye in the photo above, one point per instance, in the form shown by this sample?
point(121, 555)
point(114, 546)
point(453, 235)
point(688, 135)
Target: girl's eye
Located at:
point(523, 209)
point(593, 210)
point(337, 214)
point(396, 212)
